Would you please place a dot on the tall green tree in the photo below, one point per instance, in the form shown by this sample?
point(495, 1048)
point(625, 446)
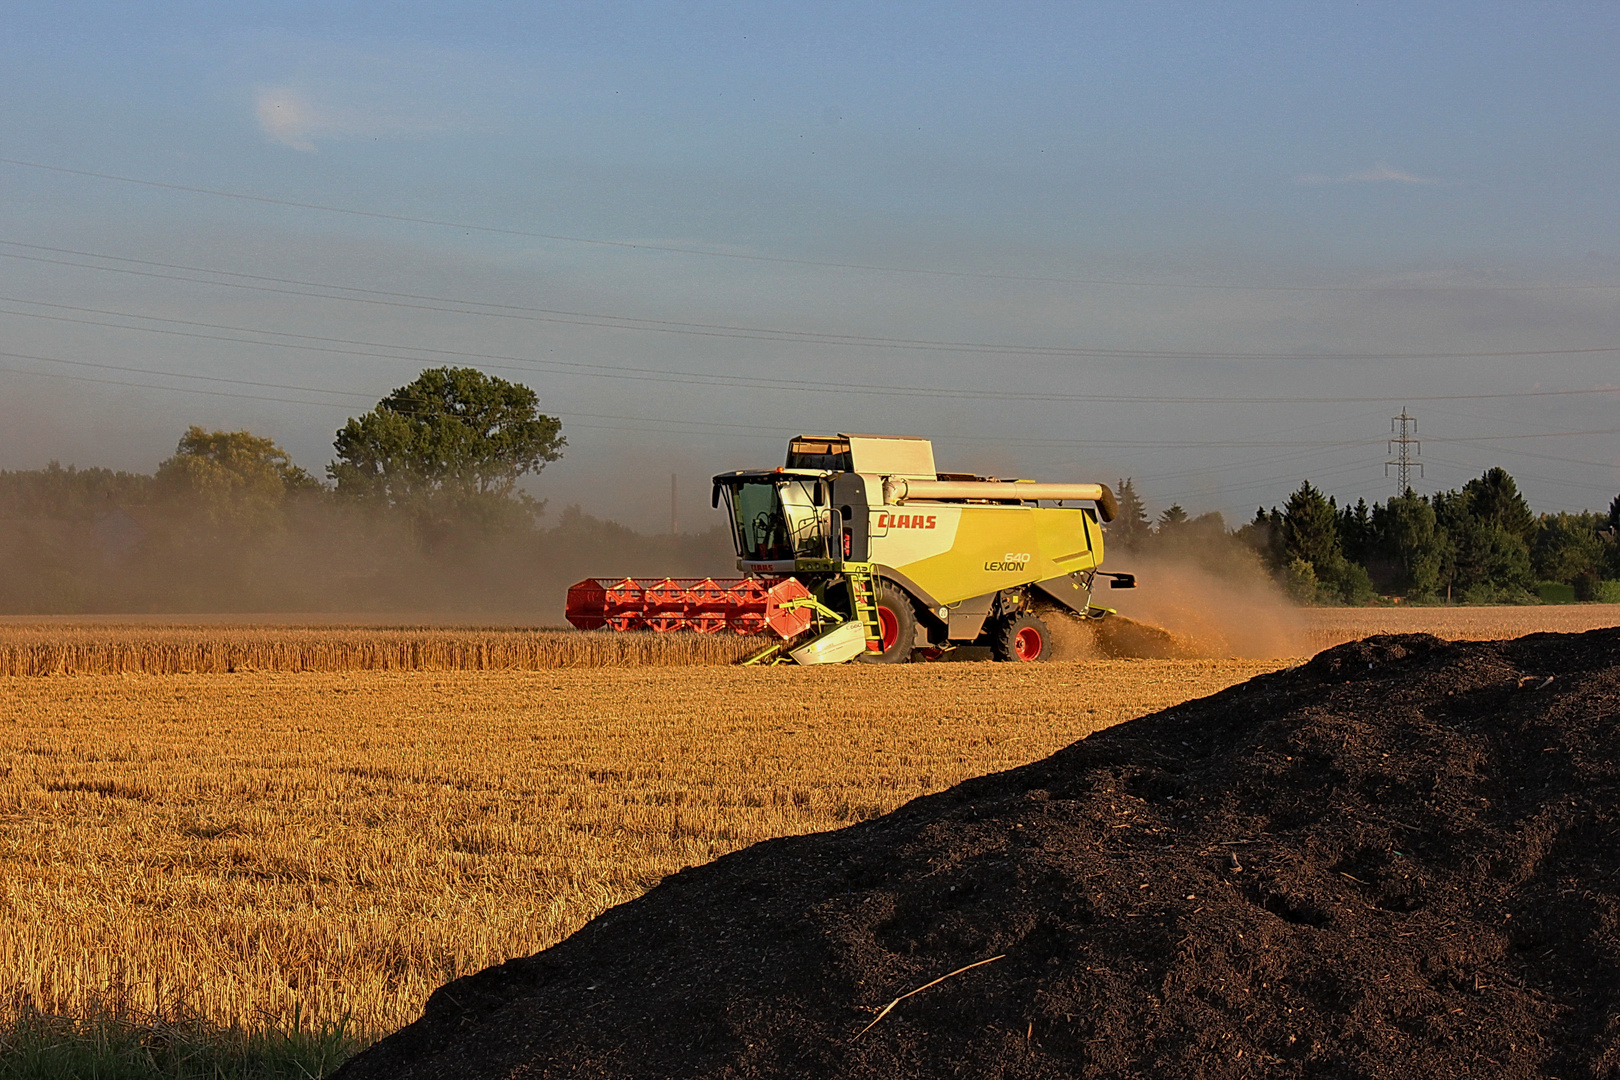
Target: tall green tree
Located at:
point(1357, 536)
point(1611, 540)
point(1494, 499)
point(1409, 540)
point(1130, 525)
point(1569, 550)
point(1171, 520)
point(1310, 528)
point(1483, 559)
point(1264, 536)
point(454, 435)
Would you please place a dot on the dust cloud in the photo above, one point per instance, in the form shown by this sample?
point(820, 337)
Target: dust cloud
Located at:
point(1182, 610)
point(112, 552)
point(94, 542)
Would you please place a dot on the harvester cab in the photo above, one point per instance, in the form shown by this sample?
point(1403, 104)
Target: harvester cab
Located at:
point(862, 531)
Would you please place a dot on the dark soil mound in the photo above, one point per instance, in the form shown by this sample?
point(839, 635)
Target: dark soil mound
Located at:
point(1399, 860)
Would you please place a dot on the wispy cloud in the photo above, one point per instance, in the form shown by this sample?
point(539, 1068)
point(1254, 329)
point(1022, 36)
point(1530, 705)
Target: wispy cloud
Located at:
point(1378, 174)
point(295, 119)
point(287, 118)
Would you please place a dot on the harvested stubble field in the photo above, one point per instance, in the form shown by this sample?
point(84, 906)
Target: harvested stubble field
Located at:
point(1394, 861)
point(266, 827)
point(264, 849)
point(1326, 627)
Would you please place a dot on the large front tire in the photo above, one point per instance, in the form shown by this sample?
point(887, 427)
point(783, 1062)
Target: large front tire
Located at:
point(897, 627)
point(1022, 639)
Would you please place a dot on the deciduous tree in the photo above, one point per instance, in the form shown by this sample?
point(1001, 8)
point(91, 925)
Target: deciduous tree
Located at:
point(1409, 540)
point(237, 479)
point(1569, 550)
point(455, 433)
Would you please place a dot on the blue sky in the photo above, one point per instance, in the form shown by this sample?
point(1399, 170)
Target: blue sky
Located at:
point(1280, 223)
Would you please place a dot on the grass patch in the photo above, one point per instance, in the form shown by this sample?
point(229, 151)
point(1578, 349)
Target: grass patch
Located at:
point(37, 1046)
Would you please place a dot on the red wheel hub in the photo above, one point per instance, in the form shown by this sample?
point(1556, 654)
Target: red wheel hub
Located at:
point(1027, 643)
point(888, 628)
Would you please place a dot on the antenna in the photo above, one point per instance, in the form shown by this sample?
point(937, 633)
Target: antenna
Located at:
point(674, 519)
point(1401, 446)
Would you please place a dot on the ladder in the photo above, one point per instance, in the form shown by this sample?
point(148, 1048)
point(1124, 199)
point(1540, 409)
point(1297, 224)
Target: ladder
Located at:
point(862, 580)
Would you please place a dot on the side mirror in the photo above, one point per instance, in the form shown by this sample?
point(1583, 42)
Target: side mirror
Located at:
point(714, 498)
point(818, 494)
point(1122, 581)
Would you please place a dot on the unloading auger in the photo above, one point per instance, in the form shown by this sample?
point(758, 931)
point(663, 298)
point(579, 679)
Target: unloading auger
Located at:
point(858, 549)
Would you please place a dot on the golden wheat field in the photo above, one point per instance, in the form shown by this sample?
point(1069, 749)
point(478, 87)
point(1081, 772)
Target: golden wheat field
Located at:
point(111, 649)
point(267, 827)
point(253, 847)
point(165, 647)
point(1330, 626)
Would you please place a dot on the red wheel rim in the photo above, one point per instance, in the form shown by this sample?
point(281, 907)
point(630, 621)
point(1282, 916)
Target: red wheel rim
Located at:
point(888, 628)
point(1027, 643)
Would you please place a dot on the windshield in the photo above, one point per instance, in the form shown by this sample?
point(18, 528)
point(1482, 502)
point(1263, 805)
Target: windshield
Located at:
point(777, 520)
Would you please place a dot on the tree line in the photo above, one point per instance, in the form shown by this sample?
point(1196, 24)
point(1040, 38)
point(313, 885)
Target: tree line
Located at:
point(420, 509)
point(1478, 544)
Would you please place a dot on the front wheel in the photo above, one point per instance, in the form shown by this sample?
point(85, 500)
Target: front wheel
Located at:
point(1021, 639)
point(897, 627)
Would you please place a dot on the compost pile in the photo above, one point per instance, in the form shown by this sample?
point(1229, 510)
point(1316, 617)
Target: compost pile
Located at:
point(1399, 859)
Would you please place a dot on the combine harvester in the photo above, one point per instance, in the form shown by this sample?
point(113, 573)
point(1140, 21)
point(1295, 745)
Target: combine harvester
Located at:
point(858, 549)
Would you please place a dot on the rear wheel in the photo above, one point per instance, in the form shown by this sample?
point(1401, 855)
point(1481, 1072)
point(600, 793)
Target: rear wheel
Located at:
point(1021, 639)
point(897, 627)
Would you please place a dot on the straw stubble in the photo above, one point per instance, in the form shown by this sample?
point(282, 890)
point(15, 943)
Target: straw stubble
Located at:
point(256, 847)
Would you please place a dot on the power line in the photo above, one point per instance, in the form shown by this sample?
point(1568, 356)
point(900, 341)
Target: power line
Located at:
point(179, 375)
point(1534, 435)
point(783, 260)
point(1522, 476)
point(1268, 481)
point(1552, 457)
point(1292, 456)
point(1525, 453)
point(171, 389)
point(528, 313)
point(306, 389)
point(626, 372)
point(756, 432)
point(1015, 441)
point(1319, 444)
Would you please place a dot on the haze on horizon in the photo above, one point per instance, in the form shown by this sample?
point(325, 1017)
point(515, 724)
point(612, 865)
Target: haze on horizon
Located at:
point(1212, 249)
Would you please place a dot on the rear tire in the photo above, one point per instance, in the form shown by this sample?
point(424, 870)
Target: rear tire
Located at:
point(897, 623)
point(1022, 639)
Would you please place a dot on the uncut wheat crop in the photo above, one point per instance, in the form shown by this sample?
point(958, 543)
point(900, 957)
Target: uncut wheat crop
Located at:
point(167, 650)
point(269, 849)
